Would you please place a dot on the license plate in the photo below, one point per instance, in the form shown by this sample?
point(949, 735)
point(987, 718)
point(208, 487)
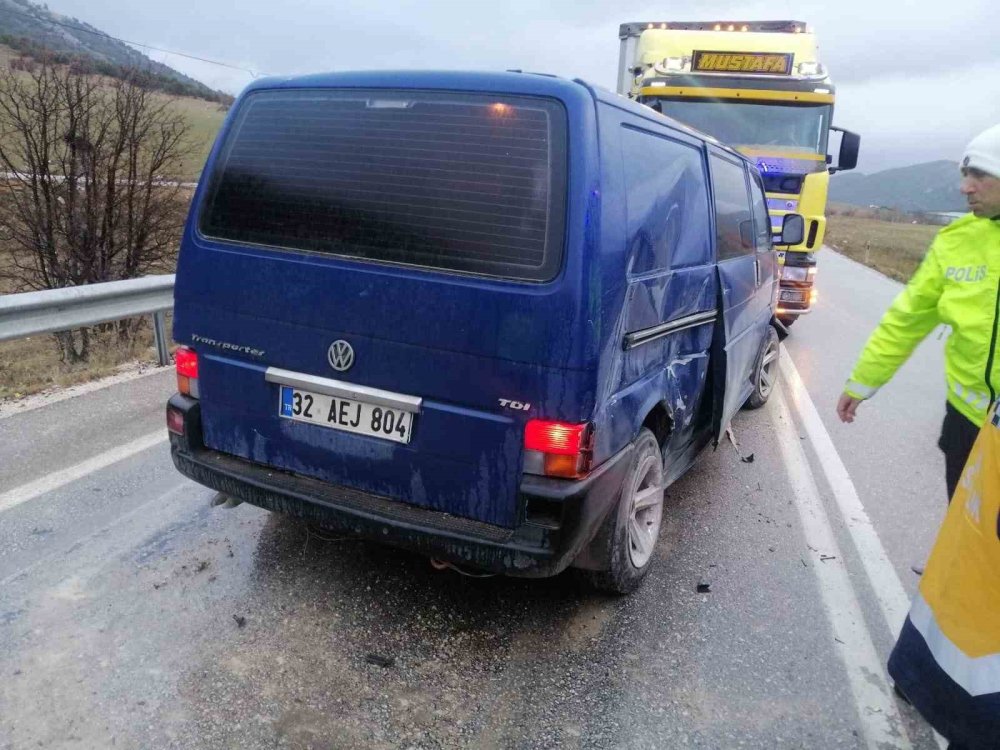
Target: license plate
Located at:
point(345, 414)
point(792, 296)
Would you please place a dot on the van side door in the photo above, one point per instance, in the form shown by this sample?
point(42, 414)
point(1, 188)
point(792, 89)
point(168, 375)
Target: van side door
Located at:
point(738, 334)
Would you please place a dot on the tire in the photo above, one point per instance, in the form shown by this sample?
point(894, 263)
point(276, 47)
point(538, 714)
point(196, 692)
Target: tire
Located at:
point(766, 372)
point(633, 527)
point(787, 320)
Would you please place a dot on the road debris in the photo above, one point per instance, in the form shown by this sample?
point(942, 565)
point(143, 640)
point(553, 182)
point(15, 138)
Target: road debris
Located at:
point(704, 588)
point(240, 620)
point(380, 661)
point(747, 459)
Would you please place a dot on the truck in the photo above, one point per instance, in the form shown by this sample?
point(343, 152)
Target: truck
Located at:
point(760, 87)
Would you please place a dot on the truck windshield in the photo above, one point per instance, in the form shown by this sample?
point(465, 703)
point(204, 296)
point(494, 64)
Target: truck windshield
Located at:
point(794, 126)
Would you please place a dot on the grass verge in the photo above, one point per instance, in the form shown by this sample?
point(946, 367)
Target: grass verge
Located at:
point(892, 248)
point(32, 365)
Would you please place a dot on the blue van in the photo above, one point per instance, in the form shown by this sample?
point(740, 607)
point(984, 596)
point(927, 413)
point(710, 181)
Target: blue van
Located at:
point(485, 317)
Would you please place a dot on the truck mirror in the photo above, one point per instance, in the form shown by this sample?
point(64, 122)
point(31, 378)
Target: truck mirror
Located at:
point(793, 229)
point(850, 145)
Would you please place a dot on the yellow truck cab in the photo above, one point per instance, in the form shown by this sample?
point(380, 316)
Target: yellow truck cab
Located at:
point(758, 86)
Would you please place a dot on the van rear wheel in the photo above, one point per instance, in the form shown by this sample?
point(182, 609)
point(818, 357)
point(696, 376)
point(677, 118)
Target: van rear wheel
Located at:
point(766, 373)
point(633, 528)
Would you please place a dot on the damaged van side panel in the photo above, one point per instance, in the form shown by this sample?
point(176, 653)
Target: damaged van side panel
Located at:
point(670, 298)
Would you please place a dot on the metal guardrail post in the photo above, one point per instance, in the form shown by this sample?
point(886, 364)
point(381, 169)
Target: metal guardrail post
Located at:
point(160, 335)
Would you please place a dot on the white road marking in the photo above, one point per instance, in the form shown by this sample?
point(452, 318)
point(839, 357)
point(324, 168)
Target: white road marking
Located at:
point(881, 723)
point(38, 400)
point(55, 480)
point(160, 500)
point(889, 591)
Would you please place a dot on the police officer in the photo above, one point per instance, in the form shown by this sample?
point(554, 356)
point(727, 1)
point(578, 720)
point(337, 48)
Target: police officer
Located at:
point(958, 283)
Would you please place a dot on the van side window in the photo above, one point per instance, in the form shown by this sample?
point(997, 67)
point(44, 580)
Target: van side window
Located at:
point(667, 198)
point(733, 220)
point(761, 220)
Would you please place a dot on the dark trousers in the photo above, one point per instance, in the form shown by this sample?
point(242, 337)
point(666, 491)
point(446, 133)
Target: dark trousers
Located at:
point(958, 435)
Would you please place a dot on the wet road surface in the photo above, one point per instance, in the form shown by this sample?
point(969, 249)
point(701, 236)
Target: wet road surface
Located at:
point(133, 615)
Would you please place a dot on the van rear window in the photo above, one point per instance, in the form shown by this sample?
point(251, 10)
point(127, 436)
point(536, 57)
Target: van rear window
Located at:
point(464, 183)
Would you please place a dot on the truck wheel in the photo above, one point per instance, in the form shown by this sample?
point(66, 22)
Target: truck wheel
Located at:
point(787, 320)
point(633, 526)
point(766, 372)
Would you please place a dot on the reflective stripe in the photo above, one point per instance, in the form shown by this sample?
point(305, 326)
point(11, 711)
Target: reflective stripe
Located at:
point(978, 401)
point(858, 390)
point(979, 676)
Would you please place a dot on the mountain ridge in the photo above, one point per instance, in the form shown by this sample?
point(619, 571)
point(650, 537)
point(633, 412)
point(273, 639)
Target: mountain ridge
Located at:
point(35, 31)
point(928, 186)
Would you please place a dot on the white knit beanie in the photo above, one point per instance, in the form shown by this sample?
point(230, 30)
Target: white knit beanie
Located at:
point(983, 152)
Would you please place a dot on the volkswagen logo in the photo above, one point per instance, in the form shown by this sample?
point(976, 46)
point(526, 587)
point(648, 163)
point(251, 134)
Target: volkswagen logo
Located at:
point(340, 355)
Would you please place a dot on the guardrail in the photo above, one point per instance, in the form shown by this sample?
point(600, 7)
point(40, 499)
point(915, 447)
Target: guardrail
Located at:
point(72, 307)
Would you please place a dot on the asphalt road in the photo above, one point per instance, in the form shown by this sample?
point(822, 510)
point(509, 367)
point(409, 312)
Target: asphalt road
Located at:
point(132, 615)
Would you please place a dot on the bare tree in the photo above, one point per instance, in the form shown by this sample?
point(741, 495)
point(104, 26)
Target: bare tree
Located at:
point(89, 192)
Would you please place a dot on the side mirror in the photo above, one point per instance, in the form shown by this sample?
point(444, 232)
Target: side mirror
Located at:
point(850, 145)
point(793, 230)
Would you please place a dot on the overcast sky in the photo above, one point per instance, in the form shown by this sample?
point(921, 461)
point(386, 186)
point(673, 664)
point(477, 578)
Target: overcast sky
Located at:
point(917, 79)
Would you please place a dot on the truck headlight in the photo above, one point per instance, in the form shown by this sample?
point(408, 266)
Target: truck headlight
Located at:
point(671, 65)
point(810, 69)
point(794, 273)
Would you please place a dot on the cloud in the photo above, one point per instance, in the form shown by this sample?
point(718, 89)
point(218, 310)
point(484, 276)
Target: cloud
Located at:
point(917, 73)
point(904, 121)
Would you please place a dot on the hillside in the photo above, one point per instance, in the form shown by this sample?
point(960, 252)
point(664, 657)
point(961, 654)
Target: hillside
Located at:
point(931, 186)
point(34, 30)
point(203, 117)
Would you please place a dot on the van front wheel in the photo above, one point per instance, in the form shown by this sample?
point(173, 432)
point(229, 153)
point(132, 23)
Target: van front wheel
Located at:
point(633, 528)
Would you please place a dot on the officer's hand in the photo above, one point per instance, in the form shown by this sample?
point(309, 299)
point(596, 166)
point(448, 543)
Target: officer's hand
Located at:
point(847, 407)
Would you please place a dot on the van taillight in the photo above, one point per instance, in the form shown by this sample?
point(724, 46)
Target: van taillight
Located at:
point(186, 362)
point(175, 420)
point(557, 449)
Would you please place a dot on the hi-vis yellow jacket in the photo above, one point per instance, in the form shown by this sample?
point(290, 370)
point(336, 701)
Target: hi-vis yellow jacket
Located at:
point(958, 284)
point(947, 658)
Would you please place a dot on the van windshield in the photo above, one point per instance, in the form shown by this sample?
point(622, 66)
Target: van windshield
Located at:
point(456, 182)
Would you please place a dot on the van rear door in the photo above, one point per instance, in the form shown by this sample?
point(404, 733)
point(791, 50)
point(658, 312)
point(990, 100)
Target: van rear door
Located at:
point(373, 273)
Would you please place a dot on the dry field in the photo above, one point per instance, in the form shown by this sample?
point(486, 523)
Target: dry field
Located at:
point(203, 118)
point(894, 249)
point(32, 365)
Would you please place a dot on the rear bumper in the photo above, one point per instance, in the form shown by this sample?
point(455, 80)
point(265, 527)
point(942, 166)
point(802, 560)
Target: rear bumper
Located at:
point(543, 547)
